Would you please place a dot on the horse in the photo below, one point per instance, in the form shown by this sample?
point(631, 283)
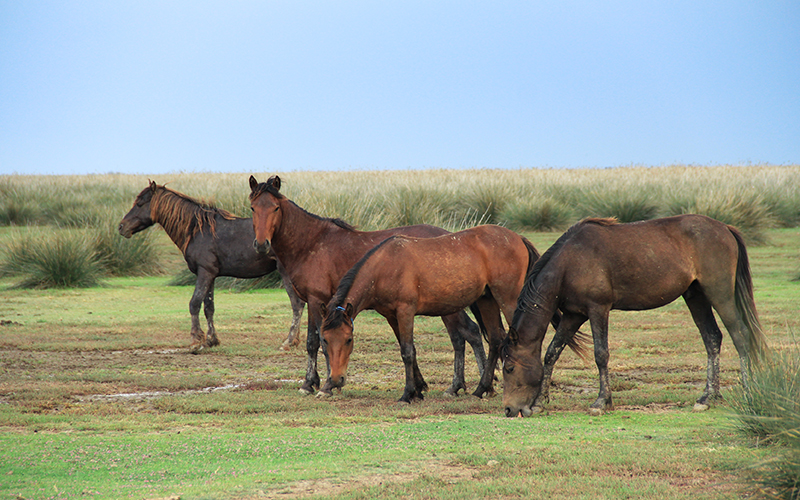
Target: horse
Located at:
point(316, 252)
point(598, 265)
point(214, 243)
point(483, 267)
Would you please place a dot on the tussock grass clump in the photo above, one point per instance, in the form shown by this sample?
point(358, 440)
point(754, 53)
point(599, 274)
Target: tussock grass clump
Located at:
point(537, 214)
point(769, 410)
point(137, 256)
point(63, 259)
point(742, 208)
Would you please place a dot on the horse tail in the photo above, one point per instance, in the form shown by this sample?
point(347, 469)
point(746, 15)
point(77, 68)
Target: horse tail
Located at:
point(745, 304)
point(579, 343)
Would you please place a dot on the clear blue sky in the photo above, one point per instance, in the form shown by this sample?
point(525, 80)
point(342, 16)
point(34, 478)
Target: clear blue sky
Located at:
point(239, 86)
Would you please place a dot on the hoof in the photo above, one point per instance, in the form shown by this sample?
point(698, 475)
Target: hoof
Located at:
point(698, 407)
point(196, 348)
point(596, 412)
point(305, 391)
point(324, 395)
point(286, 346)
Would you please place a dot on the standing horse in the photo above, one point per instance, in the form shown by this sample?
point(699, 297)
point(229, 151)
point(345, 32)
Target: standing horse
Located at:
point(599, 265)
point(483, 267)
point(316, 252)
point(213, 242)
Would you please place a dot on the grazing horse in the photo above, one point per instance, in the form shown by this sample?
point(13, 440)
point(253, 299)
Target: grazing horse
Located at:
point(483, 267)
point(316, 252)
point(599, 265)
point(214, 243)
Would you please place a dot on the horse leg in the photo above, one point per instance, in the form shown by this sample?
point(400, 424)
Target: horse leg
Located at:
point(489, 317)
point(297, 308)
point(570, 323)
point(703, 317)
point(458, 355)
point(208, 310)
point(599, 322)
point(403, 327)
point(297, 315)
point(201, 287)
point(312, 348)
point(738, 331)
point(471, 332)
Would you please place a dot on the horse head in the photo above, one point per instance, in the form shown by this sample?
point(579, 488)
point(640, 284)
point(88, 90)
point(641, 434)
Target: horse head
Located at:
point(139, 216)
point(265, 200)
point(522, 374)
point(337, 337)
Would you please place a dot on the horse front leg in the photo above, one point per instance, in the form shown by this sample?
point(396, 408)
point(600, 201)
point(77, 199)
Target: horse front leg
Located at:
point(488, 314)
point(570, 323)
point(208, 309)
point(415, 384)
point(201, 287)
point(312, 380)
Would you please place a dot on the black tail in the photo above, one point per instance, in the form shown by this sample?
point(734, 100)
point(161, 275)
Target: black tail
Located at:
point(745, 304)
point(580, 342)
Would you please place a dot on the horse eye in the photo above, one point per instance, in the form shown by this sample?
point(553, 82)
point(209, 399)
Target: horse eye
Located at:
point(510, 369)
point(252, 209)
point(348, 342)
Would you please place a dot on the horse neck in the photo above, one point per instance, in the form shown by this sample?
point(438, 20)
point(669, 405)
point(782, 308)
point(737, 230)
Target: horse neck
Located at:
point(176, 221)
point(299, 233)
point(535, 311)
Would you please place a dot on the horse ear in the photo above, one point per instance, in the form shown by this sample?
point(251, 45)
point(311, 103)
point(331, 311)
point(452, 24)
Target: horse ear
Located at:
point(276, 182)
point(323, 309)
point(513, 336)
point(348, 310)
point(153, 186)
point(253, 183)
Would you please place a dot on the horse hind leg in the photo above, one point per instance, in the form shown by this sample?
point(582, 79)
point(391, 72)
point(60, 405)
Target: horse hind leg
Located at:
point(297, 315)
point(489, 316)
point(312, 380)
point(703, 317)
point(461, 328)
point(599, 324)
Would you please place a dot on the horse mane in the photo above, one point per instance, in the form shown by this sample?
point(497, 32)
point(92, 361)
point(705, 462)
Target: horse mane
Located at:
point(529, 294)
point(335, 317)
point(267, 187)
point(182, 217)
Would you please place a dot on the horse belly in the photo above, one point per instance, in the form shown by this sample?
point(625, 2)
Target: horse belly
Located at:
point(443, 297)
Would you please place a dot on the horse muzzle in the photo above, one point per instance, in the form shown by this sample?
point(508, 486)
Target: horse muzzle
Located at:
point(125, 230)
point(525, 411)
point(262, 248)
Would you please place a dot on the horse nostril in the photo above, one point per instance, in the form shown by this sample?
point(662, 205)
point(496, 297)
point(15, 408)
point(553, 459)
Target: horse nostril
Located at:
point(509, 412)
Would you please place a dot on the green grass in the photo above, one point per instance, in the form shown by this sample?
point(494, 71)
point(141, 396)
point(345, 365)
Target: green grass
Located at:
point(69, 357)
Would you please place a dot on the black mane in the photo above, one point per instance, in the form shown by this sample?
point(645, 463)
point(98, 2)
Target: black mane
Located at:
point(528, 296)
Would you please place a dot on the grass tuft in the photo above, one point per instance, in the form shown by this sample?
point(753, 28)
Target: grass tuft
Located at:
point(62, 259)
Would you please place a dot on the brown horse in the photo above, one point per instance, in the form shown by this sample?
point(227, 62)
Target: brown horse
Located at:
point(316, 252)
point(599, 265)
point(405, 277)
point(214, 243)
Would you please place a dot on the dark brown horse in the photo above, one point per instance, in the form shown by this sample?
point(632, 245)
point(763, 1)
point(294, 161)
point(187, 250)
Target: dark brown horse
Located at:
point(316, 252)
point(403, 277)
point(213, 242)
point(599, 265)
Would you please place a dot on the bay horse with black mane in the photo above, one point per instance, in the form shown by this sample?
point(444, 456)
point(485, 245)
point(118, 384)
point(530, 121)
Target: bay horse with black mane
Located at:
point(483, 267)
point(599, 265)
point(213, 242)
point(316, 252)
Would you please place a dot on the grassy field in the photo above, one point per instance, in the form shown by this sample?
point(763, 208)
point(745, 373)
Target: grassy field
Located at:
point(101, 398)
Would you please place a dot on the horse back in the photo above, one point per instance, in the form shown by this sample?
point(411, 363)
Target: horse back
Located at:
point(647, 264)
